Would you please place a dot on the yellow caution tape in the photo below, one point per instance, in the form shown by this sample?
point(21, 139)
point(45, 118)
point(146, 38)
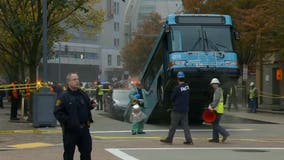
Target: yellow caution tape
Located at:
point(270, 95)
point(7, 87)
point(282, 97)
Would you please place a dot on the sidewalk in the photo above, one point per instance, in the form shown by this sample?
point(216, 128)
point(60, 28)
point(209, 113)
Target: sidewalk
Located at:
point(101, 122)
point(267, 113)
point(6, 124)
point(264, 114)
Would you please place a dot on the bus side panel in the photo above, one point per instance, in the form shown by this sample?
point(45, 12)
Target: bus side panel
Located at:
point(151, 101)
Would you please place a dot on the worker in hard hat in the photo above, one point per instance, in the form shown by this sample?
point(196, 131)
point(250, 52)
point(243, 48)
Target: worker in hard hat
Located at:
point(218, 106)
point(253, 98)
point(179, 113)
point(137, 95)
point(137, 118)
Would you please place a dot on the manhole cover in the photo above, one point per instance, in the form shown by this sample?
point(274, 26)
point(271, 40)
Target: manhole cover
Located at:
point(250, 150)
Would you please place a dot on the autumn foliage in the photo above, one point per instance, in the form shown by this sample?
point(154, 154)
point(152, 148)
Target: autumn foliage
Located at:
point(259, 23)
point(135, 53)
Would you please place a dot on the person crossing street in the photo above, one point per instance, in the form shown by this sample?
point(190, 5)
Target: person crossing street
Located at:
point(218, 106)
point(179, 114)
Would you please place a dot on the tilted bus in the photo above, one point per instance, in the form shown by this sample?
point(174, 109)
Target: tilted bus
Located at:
point(200, 45)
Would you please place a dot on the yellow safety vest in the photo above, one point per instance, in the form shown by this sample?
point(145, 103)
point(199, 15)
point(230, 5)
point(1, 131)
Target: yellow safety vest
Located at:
point(101, 92)
point(220, 106)
point(252, 93)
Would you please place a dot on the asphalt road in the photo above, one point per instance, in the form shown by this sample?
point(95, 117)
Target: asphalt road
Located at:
point(250, 139)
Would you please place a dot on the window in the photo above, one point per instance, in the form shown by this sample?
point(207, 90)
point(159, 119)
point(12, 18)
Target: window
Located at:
point(116, 26)
point(153, 67)
point(118, 60)
point(116, 8)
point(109, 60)
point(201, 38)
point(116, 42)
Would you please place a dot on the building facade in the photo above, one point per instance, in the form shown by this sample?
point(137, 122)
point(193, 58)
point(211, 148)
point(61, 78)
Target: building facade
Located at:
point(96, 57)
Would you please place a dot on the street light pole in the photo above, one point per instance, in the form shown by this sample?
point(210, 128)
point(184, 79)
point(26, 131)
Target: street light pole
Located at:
point(44, 39)
point(59, 63)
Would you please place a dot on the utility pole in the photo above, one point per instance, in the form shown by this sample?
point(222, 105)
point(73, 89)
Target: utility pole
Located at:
point(44, 39)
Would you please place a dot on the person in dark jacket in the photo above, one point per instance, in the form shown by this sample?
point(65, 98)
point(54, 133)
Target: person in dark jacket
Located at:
point(179, 114)
point(15, 97)
point(2, 95)
point(73, 111)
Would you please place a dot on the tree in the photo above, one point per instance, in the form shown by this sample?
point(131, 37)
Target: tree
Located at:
point(256, 21)
point(135, 54)
point(21, 29)
point(260, 25)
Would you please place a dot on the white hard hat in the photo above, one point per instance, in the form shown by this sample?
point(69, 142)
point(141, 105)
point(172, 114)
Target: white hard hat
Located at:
point(215, 81)
point(251, 84)
point(136, 106)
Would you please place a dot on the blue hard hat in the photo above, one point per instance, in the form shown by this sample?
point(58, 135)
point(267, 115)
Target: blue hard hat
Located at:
point(180, 75)
point(137, 96)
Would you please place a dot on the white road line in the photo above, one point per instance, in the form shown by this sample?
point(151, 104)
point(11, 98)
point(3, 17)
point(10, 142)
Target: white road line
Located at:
point(204, 148)
point(122, 155)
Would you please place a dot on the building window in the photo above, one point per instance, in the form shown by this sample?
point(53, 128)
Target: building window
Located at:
point(109, 60)
point(116, 42)
point(116, 26)
point(116, 8)
point(118, 60)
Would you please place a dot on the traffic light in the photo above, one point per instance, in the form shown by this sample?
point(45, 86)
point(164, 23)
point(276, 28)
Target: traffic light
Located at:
point(279, 74)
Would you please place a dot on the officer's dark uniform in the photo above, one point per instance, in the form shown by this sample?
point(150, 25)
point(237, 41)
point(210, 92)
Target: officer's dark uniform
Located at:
point(73, 112)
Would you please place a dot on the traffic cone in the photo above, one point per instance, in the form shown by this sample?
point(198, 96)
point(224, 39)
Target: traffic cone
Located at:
point(209, 116)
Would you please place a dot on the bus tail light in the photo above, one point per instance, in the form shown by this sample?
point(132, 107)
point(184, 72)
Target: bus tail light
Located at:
point(171, 63)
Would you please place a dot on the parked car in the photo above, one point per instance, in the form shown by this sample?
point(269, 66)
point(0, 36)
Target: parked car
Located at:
point(117, 102)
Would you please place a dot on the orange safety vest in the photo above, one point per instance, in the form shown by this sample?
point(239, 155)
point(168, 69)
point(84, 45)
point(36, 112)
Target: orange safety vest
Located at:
point(28, 90)
point(51, 89)
point(14, 91)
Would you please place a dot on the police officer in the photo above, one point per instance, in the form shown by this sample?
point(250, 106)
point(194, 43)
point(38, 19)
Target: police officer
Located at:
point(218, 106)
point(179, 114)
point(73, 111)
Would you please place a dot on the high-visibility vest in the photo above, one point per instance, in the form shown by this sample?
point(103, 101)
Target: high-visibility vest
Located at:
point(220, 106)
point(51, 89)
point(14, 91)
point(252, 93)
point(101, 92)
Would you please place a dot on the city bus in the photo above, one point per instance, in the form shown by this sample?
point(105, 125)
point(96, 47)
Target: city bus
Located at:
point(200, 45)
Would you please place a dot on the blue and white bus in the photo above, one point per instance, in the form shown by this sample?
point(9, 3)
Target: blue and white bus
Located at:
point(200, 45)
